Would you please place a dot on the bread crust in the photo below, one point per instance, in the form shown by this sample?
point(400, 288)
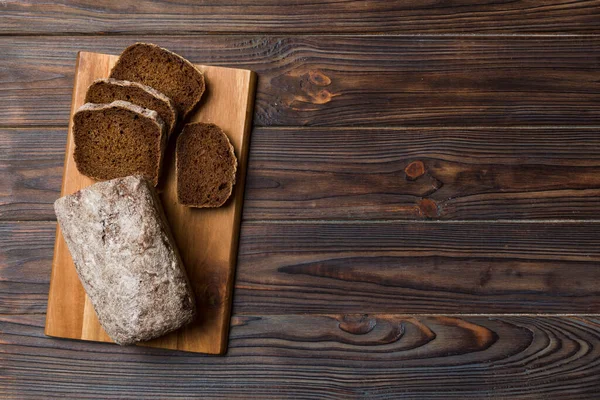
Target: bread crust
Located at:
point(126, 259)
point(169, 117)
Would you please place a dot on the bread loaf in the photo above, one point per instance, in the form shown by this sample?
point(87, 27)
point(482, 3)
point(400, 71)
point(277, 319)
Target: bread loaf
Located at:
point(126, 259)
point(109, 90)
point(118, 139)
point(163, 70)
point(206, 166)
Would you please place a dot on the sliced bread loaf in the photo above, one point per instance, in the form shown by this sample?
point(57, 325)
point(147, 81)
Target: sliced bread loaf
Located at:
point(109, 90)
point(118, 139)
point(163, 70)
point(126, 259)
point(206, 166)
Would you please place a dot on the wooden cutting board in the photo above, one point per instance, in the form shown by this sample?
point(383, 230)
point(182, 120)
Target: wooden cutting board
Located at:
point(207, 238)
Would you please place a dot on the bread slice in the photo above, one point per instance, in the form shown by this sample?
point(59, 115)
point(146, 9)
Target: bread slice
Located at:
point(163, 70)
point(118, 139)
point(126, 259)
point(109, 90)
point(206, 166)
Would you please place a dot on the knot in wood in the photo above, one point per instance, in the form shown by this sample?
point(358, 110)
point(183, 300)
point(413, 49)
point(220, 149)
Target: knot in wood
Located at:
point(357, 324)
point(429, 208)
point(414, 170)
point(322, 97)
point(319, 78)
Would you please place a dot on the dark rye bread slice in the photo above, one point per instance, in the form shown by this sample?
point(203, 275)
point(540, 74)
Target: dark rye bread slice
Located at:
point(126, 259)
point(118, 139)
point(206, 166)
point(163, 70)
point(109, 90)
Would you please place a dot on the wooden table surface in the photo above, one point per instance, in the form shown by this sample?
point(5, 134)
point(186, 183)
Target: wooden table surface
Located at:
point(421, 217)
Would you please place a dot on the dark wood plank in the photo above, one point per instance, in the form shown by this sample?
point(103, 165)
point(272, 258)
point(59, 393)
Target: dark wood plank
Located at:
point(31, 169)
point(319, 173)
point(423, 173)
point(321, 356)
point(356, 267)
point(418, 267)
point(343, 80)
point(308, 16)
point(25, 263)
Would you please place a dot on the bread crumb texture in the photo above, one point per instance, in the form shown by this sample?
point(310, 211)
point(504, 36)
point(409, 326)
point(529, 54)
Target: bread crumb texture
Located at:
point(118, 139)
point(206, 166)
point(164, 71)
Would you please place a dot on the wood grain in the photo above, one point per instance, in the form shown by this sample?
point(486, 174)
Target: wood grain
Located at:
point(356, 267)
point(466, 174)
point(25, 264)
point(31, 166)
point(378, 356)
point(347, 173)
point(207, 239)
point(345, 80)
point(309, 16)
point(416, 267)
